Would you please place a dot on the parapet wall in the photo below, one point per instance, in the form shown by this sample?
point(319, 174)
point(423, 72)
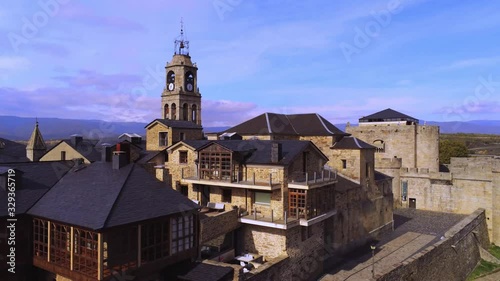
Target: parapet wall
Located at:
point(452, 258)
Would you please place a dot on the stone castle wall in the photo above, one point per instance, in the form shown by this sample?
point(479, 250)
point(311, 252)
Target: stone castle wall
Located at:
point(471, 183)
point(452, 258)
point(417, 145)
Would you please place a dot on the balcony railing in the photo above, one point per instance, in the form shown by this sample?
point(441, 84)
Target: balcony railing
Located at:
point(312, 178)
point(235, 178)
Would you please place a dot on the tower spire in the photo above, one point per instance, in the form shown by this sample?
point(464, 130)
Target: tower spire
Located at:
point(181, 44)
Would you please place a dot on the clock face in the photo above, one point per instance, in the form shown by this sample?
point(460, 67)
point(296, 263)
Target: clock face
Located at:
point(189, 87)
point(170, 86)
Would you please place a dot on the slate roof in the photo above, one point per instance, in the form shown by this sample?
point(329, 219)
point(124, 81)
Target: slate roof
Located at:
point(181, 124)
point(11, 151)
point(208, 272)
point(352, 143)
point(99, 197)
point(259, 151)
point(310, 124)
point(38, 178)
point(388, 115)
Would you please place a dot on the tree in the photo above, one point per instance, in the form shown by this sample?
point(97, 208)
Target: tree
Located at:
point(451, 148)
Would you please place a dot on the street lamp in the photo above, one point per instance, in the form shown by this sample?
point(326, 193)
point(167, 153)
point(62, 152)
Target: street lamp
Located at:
point(372, 246)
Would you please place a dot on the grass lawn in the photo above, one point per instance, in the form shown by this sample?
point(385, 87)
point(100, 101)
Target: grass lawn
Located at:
point(484, 266)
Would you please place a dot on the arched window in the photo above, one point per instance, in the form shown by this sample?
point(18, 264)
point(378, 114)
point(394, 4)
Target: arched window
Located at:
point(174, 112)
point(379, 145)
point(194, 113)
point(185, 112)
point(165, 112)
point(189, 81)
point(170, 77)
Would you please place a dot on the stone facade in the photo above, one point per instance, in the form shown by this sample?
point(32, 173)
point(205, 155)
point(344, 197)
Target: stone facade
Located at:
point(417, 145)
point(174, 135)
point(471, 183)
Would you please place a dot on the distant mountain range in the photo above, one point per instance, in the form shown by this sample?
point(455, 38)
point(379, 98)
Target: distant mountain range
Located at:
point(20, 128)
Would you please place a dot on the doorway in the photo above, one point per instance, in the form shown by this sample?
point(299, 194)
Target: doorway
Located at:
point(205, 195)
point(413, 203)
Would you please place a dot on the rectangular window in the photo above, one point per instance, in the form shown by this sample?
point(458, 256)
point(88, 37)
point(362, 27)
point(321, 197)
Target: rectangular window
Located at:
point(182, 233)
point(263, 198)
point(163, 139)
point(344, 164)
point(154, 241)
point(40, 238)
point(297, 202)
point(184, 190)
point(404, 190)
point(182, 136)
point(226, 195)
point(215, 165)
point(60, 242)
point(85, 252)
point(63, 155)
point(183, 157)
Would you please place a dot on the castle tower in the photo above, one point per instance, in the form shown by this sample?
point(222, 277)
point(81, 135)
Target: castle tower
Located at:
point(35, 148)
point(181, 98)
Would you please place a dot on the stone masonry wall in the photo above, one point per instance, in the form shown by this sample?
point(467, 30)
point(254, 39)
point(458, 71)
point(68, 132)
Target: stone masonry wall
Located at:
point(269, 242)
point(452, 258)
point(471, 184)
point(214, 226)
point(400, 140)
point(55, 153)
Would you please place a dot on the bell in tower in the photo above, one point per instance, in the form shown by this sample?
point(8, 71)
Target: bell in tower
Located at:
point(181, 98)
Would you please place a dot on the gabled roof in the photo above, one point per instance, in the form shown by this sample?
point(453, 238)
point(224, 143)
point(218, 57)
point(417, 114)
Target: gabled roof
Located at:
point(259, 151)
point(388, 115)
point(11, 151)
point(180, 124)
point(133, 135)
point(86, 148)
point(193, 144)
point(352, 143)
point(37, 179)
point(99, 197)
point(310, 124)
point(36, 140)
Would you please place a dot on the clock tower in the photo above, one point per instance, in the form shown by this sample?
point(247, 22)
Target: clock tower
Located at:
point(181, 98)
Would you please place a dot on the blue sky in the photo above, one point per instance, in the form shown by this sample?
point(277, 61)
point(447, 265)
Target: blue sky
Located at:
point(434, 60)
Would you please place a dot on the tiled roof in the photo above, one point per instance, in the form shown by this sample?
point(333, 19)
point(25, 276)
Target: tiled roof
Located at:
point(11, 151)
point(37, 179)
point(98, 197)
point(259, 151)
point(177, 124)
point(310, 124)
point(387, 115)
point(352, 143)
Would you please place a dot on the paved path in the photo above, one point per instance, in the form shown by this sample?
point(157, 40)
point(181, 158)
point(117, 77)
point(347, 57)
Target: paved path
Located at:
point(414, 231)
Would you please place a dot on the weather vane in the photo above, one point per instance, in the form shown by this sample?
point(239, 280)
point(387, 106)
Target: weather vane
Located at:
point(181, 44)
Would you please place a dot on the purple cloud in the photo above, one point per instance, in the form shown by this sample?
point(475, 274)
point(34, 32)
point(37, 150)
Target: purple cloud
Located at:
point(103, 82)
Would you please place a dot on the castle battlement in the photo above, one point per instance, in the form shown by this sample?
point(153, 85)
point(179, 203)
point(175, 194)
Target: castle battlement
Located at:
point(388, 163)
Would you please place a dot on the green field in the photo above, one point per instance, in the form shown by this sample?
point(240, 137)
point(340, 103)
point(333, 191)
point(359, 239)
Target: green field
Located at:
point(476, 143)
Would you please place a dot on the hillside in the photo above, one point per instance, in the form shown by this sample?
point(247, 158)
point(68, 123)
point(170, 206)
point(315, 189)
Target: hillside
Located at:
point(20, 128)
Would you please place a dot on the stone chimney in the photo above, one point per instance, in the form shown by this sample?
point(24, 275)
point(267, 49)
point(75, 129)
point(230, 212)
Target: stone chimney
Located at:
point(106, 152)
point(276, 153)
point(75, 140)
point(119, 158)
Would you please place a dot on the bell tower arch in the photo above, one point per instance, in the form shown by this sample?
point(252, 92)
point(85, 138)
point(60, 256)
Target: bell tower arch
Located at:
point(181, 97)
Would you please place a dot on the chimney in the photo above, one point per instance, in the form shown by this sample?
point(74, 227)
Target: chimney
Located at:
point(275, 152)
point(106, 152)
point(119, 158)
point(76, 140)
